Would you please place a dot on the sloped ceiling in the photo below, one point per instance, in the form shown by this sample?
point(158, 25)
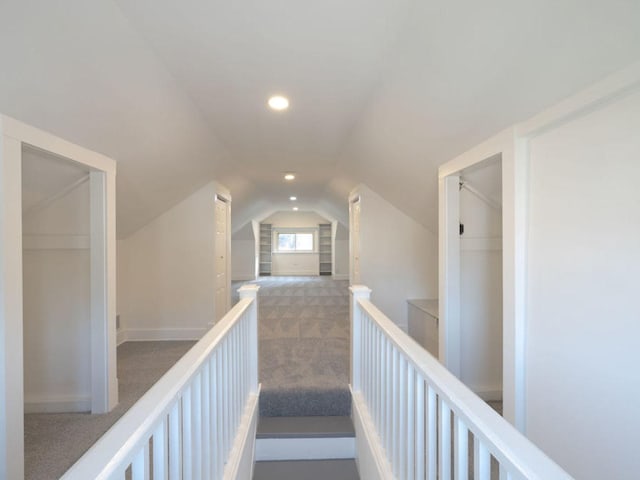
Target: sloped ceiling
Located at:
point(382, 92)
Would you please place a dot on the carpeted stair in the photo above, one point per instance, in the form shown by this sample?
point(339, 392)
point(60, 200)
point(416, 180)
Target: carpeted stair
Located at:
point(304, 346)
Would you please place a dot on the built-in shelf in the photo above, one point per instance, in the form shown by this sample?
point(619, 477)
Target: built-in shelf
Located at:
point(265, 249)
point(324, 248)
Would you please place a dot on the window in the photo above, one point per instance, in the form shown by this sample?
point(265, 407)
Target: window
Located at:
point(295, 242)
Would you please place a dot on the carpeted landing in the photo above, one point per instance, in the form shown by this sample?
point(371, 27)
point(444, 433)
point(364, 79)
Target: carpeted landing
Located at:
point(304, 346)
point(54, 441)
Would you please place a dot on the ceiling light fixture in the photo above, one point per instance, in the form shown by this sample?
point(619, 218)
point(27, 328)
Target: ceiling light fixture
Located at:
point(278, 103)
point(293, 199)
point(289, 176)
point(295, 209)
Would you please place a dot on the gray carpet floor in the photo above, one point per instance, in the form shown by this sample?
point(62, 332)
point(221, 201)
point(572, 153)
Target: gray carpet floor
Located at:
point(304, 346)
point(53, 442)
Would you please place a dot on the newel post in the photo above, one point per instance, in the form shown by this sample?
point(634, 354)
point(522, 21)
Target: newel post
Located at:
point(251, 291)
point(358, 292)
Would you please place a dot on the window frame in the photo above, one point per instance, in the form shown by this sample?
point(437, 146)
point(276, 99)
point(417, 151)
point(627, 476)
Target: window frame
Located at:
point(278, 231)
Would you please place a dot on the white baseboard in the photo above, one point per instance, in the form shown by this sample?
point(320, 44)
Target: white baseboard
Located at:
point(341, 276)
point(295, 273)
point(488, 394)
point(57, 404)
point(159, 334)
point(121, 337)
point(268, 449)
point(371, 458)
point(243, 277)
point(242, 455)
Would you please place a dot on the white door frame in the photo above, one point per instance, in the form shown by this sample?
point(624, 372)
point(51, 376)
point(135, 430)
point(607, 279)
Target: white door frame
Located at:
point(226, 199)
point(104, 392)
point(514, 221)
point(353, 199)
point(513, 146)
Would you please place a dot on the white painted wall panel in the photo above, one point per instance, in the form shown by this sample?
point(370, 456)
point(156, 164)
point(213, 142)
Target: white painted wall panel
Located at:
point(342, 258)
point(243, 262)
point(57, 327)
point(170, 271)
point(481, 296)
point(583, 380)
point(398, 256)
point(295, 264)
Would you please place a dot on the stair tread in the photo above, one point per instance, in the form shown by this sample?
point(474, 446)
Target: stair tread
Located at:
point(305, 427)
point(307, 470)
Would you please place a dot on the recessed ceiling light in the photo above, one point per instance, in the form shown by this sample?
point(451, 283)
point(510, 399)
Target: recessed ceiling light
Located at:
point(293, 199)
point(278, 102)
point(289, 176)
point(295, 209)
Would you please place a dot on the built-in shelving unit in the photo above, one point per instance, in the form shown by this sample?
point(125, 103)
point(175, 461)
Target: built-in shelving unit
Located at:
point(324, 248)
point(265, 249)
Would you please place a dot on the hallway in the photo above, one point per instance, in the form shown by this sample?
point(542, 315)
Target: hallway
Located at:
point(54, 441)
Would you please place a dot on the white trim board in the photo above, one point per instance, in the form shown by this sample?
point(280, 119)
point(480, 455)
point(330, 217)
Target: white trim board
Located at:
point(58, 404)
point(296, 273)
point(159, 334)
point(271, 449)
point(371, 458)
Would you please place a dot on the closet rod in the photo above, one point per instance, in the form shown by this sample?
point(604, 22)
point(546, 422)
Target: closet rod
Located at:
point(471, 189)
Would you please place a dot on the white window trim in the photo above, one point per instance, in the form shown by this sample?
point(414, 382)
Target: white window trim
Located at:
point(278, 230)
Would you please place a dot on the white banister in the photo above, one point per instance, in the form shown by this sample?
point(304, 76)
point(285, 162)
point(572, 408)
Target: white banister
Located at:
point(198, 421)
point(414, 419)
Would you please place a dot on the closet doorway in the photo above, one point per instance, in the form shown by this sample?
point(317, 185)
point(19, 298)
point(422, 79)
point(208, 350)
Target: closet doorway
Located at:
point(472, 339)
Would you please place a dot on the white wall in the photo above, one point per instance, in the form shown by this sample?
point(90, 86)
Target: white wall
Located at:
point(295, 220)
point(583, 380)
point(243, 262)
point(170, 272)
point(481, 293)
point(57, 325)
point(341, 253)
point(295, 264)
point(243, 259)
point(398, 256)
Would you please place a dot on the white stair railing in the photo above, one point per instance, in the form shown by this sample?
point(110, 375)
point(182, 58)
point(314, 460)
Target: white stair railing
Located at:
point(415, 420)
point(198, 421)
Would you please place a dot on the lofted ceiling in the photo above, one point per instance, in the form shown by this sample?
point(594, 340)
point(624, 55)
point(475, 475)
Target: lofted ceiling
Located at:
point(382, 92)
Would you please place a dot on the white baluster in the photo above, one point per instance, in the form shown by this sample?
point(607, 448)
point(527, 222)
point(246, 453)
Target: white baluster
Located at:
point(432, 434)
point(461, 450)
point(206, 421)
point(175, 441)
point(225, 399)
point(420, 430)
point(251, 291)
point(410, 437)
point(481, 461)
point(357, 292)
point(401, 440)
point(213, 416)
point(220, 413)
point(160, 456)
point(388, 434)
point(395, 410)
point(187, 435)
point(444, 443)
point(140, 465)
point(196, 426)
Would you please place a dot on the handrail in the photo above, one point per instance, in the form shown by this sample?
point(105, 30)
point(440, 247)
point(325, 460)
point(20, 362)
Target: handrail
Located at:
point(390, 363)
point(196, 409)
